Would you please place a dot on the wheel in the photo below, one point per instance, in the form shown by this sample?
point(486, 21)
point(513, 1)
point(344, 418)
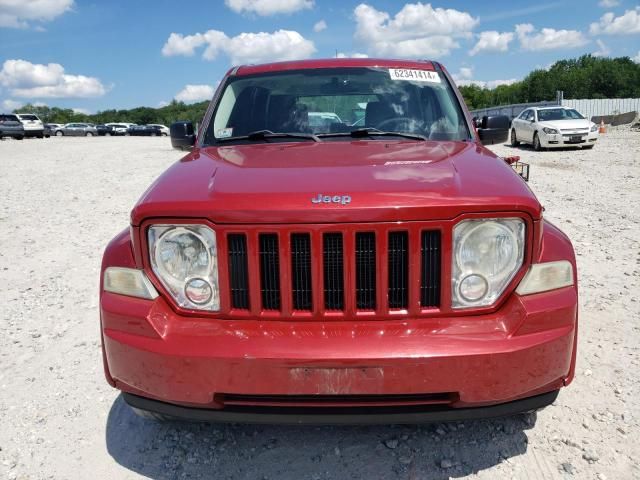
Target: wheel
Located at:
point(59, 133)
point(107, 134)
point(514, 138)
point(89, 134)
point(536, 143)
point(153, 134)
point(40, 136)
point(164, 134)
point(47, 136)
point(19, 137)
point(588, 147)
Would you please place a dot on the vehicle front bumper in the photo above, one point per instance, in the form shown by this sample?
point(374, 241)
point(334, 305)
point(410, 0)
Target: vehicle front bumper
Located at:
point(524, 349)
point(561, 140)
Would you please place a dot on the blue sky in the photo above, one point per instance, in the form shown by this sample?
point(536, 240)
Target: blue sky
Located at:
point(121, 54)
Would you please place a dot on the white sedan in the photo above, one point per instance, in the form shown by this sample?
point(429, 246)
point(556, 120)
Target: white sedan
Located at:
point(553, 127)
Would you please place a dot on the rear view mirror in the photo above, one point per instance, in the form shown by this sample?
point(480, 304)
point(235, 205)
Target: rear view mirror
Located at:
point(183, 136)
point(494, 130)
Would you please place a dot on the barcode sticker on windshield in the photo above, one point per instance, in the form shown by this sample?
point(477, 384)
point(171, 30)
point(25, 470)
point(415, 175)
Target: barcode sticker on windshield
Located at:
point(414, 75)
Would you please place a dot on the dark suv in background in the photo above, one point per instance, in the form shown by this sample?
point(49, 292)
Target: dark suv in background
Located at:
point(11, 126)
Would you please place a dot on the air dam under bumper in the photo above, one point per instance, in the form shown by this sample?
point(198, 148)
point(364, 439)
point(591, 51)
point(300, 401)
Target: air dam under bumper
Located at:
point(524, 349)
point(341, 416)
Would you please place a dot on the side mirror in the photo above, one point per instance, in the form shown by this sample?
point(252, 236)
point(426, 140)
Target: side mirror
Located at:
point(183, 136)
point(494, 130)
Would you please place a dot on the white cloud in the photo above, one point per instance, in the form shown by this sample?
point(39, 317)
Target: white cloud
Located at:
point(608, 3)
point(465, 73)
point(9, 105)
point(637, 57)
point(603, 50)
point(352, 55)
point(548, 38)
point(417, 30)
point(18, 13)
point(492, 41)
point(320, 26)
point(268, 7)
point(195, 93)
point(162, 103)
point(31, 80)
point(244, 48)
point(83, 111)
point(626, 24)
point(465, 77)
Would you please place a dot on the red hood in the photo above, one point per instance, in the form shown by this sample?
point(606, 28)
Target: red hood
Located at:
point(387, 181)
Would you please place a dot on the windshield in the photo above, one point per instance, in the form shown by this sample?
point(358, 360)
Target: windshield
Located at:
point(558, 114)
point(29, 117)
point(335, 102)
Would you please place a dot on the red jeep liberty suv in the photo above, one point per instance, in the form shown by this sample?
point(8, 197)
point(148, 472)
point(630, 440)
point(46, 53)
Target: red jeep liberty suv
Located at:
point(339, 247)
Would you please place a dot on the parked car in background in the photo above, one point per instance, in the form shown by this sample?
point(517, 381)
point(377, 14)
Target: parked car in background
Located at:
point(11, 126)
point(323, 121)
point(553, 127)
point(144, 131)
point(104, 130)
point(51, 129)
point(164, 130)
point(118, 128)
point(77, 130)
point(33, 126)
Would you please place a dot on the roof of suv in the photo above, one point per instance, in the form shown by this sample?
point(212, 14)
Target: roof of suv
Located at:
point(332, 63)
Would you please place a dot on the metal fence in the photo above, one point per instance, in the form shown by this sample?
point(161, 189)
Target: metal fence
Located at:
point(591, 107)
point(510, 111)
point(603, 106)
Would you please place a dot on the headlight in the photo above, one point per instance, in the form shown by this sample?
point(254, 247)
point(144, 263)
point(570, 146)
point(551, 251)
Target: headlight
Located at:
point(594, 128)
point(487, 255)
point(185, 260)
point(550, 131)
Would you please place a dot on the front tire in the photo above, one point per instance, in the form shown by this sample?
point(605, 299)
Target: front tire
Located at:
point(536, 143)
point(588, 147)
point(89, 134)
point(59, 133)
point(514, 138)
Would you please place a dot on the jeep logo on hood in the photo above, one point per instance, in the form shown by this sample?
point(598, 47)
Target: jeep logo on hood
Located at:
point(341, 199)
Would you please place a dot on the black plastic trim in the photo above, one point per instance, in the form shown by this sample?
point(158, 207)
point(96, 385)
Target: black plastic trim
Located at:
point(340, 416)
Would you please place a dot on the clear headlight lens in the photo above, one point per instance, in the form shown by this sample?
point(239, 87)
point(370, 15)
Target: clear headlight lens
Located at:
point(551, 131)
point(594, 128)
point(487, 255)
point(185, 260)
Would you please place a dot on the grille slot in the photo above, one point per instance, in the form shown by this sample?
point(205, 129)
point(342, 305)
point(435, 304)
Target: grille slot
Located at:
point(398, 269)
point(333, 259)
point(238, 271)
point(366, 271)
point(269, 271)
point(430, 269)
point(301, 271)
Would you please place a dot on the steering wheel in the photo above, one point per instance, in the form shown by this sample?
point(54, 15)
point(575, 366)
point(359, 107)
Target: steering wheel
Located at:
point(407, 121)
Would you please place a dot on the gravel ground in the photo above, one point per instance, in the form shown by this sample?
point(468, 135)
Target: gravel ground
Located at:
point(62, 199)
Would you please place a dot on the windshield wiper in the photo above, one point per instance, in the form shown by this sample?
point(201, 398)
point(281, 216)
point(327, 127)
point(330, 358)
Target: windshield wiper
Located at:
point(267, 134)
point(373, 132)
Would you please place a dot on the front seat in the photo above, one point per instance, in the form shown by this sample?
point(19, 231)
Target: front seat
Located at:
point(376, 113)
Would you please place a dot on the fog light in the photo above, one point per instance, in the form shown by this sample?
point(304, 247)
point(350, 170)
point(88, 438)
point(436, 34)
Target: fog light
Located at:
point(198, 291)
point(473, 287)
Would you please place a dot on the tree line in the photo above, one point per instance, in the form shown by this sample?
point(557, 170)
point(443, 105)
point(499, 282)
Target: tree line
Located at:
point(141, 115)
point(583, 77)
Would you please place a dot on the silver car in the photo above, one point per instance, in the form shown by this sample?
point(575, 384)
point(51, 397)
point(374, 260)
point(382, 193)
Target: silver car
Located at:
point(77, 130)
